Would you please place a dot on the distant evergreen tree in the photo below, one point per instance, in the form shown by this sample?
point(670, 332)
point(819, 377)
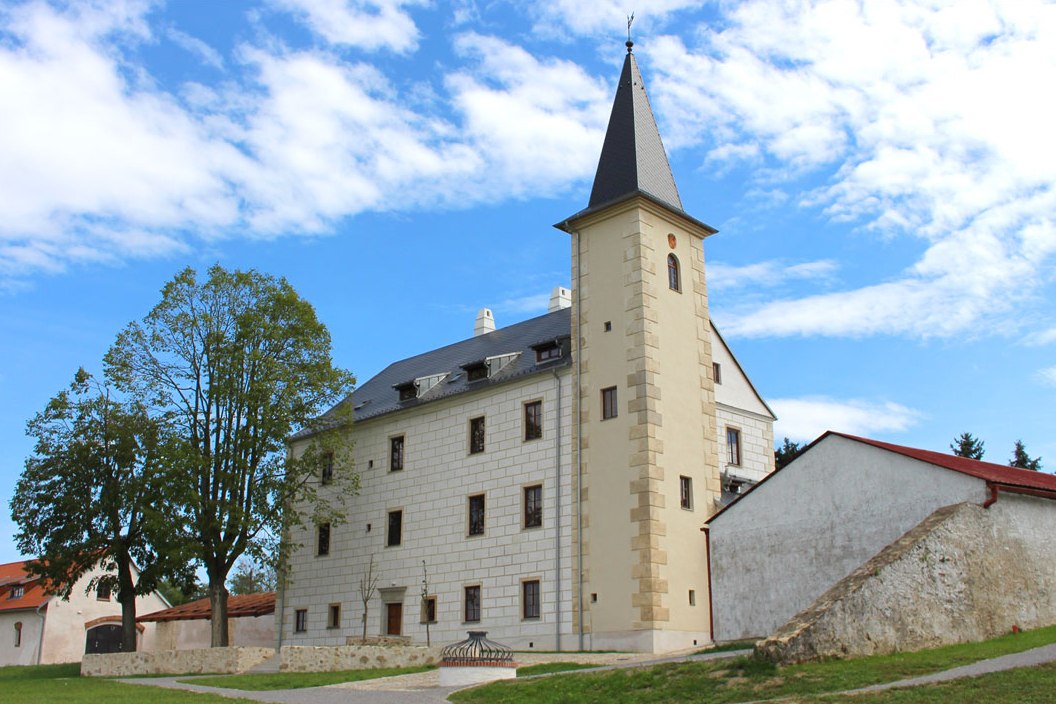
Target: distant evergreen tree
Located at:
point(967, 446)
point(786, 453)
point(1022, 460)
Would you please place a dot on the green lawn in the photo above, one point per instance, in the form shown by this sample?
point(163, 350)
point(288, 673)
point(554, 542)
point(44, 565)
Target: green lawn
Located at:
point(744, 678)
point(547, 668)
point(1033, 685)
point(62, 684)
point(298, 680)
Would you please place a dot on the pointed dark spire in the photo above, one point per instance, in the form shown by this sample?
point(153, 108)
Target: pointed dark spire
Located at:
point(633, 157)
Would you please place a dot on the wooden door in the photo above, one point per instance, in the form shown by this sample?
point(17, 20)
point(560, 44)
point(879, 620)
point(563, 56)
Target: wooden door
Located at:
point(394, 620)
point(103, 639)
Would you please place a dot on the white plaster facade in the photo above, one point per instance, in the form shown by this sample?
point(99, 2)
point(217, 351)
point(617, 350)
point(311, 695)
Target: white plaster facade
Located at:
point(54, 630)
point(809, 525)
point(243, 632)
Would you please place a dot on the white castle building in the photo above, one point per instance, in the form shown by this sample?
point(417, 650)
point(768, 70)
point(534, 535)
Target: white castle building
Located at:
point(553, 476)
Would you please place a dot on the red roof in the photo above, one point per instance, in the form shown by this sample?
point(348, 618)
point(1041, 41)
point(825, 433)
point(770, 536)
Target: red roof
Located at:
point(14, 574)
point(1000, 475)
point(237, 606)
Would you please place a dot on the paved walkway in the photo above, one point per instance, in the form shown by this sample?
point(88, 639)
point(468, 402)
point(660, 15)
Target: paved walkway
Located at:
point(423, 687)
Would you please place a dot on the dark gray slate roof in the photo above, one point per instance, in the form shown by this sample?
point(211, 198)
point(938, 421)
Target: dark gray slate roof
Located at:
point(379, 396)
point(633, 157)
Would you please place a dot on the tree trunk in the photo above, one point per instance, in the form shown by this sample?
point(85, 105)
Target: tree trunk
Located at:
point(126, 595)
point(218, 613)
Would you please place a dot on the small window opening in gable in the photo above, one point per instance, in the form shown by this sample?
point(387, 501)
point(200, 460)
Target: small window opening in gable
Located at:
point(716, 369)
point(674, 273)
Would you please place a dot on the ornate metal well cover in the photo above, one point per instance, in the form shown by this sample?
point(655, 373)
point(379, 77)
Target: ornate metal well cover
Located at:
point(476, 650)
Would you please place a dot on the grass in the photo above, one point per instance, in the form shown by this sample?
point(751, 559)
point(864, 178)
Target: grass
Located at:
point(548, 668)
point(746, 678)
point(298, 680)
point(726, 647)
point(1031, 685)
point(63, 684)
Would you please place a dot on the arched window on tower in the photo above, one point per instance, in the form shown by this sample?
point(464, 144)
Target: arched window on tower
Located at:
point(674, 273)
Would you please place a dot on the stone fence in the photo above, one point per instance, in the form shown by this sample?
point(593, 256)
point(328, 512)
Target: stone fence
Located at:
point(306, 658)
point(175, 662)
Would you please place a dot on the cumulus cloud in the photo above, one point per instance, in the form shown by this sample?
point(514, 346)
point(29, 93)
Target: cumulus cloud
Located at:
point(888, 100)
point(1048, 376)
point(364, 24)
point(766, 274)
point(804, 419)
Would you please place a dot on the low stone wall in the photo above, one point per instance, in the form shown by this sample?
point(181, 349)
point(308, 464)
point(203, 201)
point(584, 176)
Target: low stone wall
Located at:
point(963, 574)
point(306, 658)
point(175, 662)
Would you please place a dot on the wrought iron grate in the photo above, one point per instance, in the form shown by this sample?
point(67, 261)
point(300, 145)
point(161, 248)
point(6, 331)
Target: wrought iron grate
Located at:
point(476, 650)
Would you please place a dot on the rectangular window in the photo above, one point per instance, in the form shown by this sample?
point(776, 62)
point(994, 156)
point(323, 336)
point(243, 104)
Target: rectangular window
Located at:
point(476, 435)
point(327, 473)
point(533, 420)
point(395, 533)
point(692, 597)
point(102, 592)
point(685, 492)
point(429, 609)
point(733, 446)
point(476, 372)
point(300, 621)
point(333, 616)
point(18, 634)
point(476, 514)
point(546, 353)
point(17, 591)
point(716, 368)
point(322, 543)
point(396, 453)
point(530, 599)
point(533, 506)
point(472, 604)
point(608, 403)
point(407, 392)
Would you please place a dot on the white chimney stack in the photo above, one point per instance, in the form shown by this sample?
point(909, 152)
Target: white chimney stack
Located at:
point(560, 297)
point(485, 322)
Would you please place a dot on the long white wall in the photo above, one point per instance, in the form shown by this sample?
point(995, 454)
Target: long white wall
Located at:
point(809, 525)
point(432, 491)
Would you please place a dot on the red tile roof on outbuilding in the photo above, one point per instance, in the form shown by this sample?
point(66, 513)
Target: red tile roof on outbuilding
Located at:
point(1001, 476)
point(237, 607)
point(33, 594)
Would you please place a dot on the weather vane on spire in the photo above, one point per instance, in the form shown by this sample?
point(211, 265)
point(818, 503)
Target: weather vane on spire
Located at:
point(630, 44)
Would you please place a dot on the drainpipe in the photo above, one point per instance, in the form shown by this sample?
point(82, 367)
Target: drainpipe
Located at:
point(557, 511)
point(579, 430)
point(43, 621)
point(711, 603)
point(992, 488)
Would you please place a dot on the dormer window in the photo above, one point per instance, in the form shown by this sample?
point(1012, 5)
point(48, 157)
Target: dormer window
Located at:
point(476, 371)
point(544, 353)
point(17, 591)
point(407, 391)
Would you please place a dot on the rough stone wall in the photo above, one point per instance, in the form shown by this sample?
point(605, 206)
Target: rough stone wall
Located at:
point(175, 662)
point(299, 658)
point(963, 574)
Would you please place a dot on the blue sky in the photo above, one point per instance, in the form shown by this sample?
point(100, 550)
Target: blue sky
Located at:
point(881, 174)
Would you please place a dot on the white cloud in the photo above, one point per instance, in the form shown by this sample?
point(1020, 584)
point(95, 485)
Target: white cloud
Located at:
point(766, 274)
point(605, 15)
point(804, 419)
point(1042, 337)
point(1048, 376)
point(364, 24)
point(930, 121)
point(207, 54)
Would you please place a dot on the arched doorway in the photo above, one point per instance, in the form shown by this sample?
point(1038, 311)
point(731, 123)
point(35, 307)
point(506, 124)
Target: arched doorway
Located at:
point(105, 638)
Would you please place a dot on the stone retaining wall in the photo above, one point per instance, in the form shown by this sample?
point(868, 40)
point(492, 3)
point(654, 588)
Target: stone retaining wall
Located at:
point(963, 574)
point(175, 662)
point(304, 658)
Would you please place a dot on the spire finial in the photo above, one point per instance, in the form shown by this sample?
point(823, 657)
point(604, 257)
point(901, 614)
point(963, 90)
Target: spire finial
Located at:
point(630, 44)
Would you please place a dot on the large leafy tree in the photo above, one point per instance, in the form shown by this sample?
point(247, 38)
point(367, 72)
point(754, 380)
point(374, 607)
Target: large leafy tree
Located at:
point(237, 363)
point(967, 446)
point(1022, 460)
point(93, 492)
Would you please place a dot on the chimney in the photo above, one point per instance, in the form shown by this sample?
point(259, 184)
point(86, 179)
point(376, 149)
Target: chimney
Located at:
point(485, 322)
point(560, 297)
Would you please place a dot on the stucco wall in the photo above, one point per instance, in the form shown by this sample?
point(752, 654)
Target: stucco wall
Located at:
point(963, 574)
point(354, 657)
point(175, 662)
point(251, 631)
point(810, 524)
point(26, 652)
